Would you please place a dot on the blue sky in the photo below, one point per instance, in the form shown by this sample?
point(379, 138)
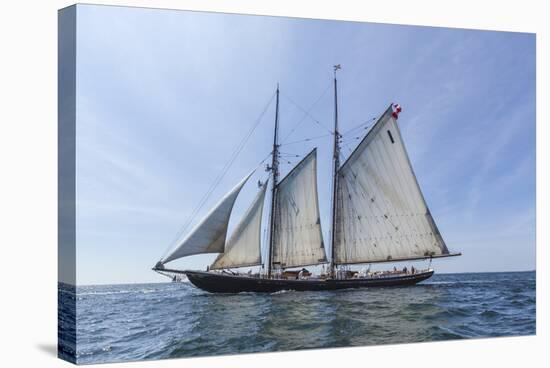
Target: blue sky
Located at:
point(164, 97)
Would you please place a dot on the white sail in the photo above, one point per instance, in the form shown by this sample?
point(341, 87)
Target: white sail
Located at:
point(243, 247)
point(209, 234)
point(381, 214)
point(297, 237)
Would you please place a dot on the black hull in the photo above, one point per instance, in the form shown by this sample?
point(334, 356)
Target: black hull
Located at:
point(223, 283)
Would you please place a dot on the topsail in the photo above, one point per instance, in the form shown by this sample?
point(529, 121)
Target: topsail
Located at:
point(209, 235)
point(243, 247)
point(297, 239)
point(381, 214)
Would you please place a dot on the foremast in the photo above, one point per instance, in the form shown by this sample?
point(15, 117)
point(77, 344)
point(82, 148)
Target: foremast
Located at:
point(275, 176)
point(335, 168)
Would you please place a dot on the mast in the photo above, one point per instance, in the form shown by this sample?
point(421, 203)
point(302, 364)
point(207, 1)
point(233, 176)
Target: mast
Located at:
point(336, 167)
point(275, 173)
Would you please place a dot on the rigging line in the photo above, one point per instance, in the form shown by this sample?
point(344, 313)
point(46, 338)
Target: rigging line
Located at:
point(218, 179)
point(266, 157)
point(289, 154)
point(350, 138)
point(289, 157)
point(348, 147)
point(266, 178)
point(306, 112)
point(307, 139)
point(358, 137)
point(366, 125)
point(343, 157)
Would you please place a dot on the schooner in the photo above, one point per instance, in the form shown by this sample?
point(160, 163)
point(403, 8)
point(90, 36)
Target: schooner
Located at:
point(379, 214)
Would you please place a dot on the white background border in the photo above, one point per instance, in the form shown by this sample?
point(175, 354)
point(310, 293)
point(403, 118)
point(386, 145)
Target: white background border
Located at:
point(28, 181)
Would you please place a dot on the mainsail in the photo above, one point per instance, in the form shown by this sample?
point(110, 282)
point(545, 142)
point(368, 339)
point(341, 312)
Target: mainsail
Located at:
point(210, 233)
point(244, 247)
point(297, 238)
point(381, 214)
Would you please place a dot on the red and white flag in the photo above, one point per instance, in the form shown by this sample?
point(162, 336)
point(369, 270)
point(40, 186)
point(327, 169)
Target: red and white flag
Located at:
point(396, 110)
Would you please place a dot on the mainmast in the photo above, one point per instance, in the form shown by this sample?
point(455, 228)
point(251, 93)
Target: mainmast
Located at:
point(336, 167)
point(275, 174)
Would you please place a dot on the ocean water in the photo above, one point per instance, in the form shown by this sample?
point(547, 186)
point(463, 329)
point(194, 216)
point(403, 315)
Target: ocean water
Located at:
point(173, 320)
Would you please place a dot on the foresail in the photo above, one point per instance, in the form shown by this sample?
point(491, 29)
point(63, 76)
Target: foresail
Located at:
point(210, 233)
point(381, 214)
point(297, 237)
point(243, 248)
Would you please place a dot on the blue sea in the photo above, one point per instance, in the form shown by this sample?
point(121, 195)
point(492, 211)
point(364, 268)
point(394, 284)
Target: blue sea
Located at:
point(116, 323)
